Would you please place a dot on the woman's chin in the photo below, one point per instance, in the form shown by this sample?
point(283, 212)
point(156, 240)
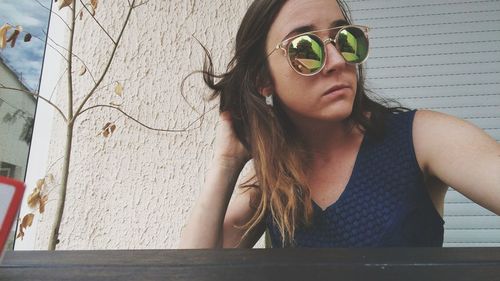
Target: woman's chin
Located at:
point(340, 112)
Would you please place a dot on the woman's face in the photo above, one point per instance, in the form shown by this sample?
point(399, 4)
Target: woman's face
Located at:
point(326, 96)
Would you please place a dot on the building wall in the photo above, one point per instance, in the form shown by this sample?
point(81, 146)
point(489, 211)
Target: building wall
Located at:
point(13, 150)
point(135, 188)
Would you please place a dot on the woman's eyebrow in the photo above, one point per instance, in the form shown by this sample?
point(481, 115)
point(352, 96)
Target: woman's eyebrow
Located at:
point(307, 28)
point(339, 23)
point(300, 29)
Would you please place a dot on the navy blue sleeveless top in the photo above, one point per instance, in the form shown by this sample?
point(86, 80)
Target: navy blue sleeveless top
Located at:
point(385, 202)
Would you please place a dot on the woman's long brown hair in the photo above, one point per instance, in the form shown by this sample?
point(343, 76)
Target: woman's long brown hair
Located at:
point(278, 152)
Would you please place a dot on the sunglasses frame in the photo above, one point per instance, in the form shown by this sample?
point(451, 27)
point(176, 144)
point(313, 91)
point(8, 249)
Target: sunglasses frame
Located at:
point(284, 45)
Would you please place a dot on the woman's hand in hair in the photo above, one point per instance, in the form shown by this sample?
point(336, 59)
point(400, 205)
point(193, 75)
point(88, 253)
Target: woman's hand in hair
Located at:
point(228, 149)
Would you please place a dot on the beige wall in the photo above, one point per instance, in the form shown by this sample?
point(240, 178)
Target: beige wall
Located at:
point(135, 189)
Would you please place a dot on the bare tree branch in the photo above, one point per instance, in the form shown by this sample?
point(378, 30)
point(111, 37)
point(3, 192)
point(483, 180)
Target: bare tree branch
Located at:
point(107, 85)
point(57, 83)
point(37, 96)
point(52, 189)
point(54, 163)
point(70, 63)
point(112, 55)
point(59, 52)
point(54, 14)
point(54, 236)
point(149, 127)
point(140, 4)
point(74, 55)
point(98, 23)
point(51, 46)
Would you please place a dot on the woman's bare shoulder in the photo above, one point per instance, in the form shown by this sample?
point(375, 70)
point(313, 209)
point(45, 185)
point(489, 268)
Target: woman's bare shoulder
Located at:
point(460, 154)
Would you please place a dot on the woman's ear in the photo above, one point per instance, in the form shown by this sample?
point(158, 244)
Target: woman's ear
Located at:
point(266, 91)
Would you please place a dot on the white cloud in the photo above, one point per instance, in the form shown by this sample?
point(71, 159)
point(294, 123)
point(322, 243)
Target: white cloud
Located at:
point(27, 13)
point(12, 15)
point(26, 58)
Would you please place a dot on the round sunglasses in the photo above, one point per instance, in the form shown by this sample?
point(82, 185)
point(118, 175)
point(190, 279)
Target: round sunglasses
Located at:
point(306, 52)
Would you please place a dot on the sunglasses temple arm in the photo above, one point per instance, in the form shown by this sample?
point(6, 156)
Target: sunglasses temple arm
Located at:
point(276, 48)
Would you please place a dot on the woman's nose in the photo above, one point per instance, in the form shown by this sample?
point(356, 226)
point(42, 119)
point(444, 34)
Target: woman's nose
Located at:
point(334, 59)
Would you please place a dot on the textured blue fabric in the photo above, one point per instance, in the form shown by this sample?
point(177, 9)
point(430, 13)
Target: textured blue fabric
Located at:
point(385, 202)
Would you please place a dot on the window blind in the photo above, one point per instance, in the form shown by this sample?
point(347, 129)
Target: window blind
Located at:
point(443, 56)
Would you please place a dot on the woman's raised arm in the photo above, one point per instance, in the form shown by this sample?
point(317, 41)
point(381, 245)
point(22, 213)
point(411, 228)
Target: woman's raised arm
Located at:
point(209, 221)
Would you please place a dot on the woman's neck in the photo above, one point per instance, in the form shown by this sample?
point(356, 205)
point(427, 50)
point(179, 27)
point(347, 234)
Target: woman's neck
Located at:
point(327, 140)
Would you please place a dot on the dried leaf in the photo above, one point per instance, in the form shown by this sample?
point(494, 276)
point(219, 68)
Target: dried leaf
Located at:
point(27, 37)
point(51, 178)
point(106, 126)
point(116, 104)
point(27, 220)
point(81, 14)
point(118, 89)
point(43, 202)
point(34, 198)
point(13, 37)
point(94, 4)
point(20, 234)
point(108, 129)
point(82, 71)
point(40, 183)
point(65, 3)
point(3, 35)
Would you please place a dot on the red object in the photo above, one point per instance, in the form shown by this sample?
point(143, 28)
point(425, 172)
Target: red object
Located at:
point(11, 204)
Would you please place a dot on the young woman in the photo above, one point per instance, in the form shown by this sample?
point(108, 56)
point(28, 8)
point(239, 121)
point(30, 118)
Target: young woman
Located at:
point(331, 167)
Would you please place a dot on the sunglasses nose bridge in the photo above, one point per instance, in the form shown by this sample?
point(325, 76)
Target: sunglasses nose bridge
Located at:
point(329, 40)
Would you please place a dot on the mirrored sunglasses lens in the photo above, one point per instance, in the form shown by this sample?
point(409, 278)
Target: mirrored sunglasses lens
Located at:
point(306, 54)
point(353, 44)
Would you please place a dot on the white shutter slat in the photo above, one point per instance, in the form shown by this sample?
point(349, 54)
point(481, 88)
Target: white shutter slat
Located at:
point(480, 223)
point(472, 235)
point(470, 244)
point(465, 209)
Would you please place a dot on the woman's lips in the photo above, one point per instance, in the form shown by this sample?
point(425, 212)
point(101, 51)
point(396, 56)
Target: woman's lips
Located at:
point(335, 90)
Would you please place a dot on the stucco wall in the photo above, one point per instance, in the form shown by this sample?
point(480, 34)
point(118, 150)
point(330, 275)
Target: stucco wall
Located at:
point(135, 189)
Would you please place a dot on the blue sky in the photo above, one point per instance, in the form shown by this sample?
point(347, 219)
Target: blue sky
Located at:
point(26, 58)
